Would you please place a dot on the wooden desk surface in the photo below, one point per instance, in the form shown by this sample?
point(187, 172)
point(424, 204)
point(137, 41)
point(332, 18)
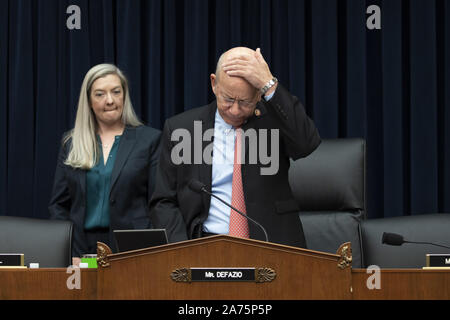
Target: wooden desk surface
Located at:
point(403, 284)
point(396, 284)
point(46, 284)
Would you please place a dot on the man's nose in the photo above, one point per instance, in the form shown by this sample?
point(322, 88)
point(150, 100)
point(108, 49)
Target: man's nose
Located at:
point(235, 109)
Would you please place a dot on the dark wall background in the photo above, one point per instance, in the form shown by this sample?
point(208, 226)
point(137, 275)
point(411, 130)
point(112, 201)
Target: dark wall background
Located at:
point(390, 86)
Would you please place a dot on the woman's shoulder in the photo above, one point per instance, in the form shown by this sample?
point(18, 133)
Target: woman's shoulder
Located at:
point(147, 132)
point(66, 139)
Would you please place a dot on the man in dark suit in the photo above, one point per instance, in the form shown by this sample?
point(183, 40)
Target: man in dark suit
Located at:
point(250, 103)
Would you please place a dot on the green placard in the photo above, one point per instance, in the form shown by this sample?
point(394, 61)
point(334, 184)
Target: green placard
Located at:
point(92, 262)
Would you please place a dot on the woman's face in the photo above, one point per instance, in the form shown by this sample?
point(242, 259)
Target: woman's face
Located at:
point(107, 99)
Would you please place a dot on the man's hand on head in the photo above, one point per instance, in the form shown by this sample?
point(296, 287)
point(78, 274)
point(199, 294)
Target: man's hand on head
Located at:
point(252, 68)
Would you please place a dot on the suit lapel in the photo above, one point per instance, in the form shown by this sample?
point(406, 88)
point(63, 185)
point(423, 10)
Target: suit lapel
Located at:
point(259, 112)
point(126, 144)
point(205, 170)
point(82, 179)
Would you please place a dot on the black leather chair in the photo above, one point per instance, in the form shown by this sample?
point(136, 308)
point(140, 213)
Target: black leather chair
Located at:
point(329, 186)
point(47, 242)
point(420, 228)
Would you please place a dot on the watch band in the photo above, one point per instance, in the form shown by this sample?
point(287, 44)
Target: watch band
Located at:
point(269, 85)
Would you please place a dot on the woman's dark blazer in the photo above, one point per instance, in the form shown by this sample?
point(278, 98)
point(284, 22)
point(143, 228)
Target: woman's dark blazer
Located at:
point(132, 185)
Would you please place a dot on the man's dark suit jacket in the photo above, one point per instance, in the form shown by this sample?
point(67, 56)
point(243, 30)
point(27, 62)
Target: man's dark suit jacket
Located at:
point(132, 185)
point(268, 198)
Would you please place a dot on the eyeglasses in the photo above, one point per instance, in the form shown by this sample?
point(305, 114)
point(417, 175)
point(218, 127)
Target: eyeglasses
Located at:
point(228, 102)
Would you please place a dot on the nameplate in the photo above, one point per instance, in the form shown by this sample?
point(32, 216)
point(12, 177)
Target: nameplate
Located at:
point(438, 260)
point(223, 274)
point(11, 260)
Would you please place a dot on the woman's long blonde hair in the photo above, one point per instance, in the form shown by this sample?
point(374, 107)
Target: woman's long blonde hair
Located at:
point(84, 149)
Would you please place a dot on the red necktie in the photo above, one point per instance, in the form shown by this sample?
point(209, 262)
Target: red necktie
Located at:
point(238, 224)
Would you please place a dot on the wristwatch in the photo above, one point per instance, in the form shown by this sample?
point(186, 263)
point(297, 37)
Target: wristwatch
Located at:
point(269, 85)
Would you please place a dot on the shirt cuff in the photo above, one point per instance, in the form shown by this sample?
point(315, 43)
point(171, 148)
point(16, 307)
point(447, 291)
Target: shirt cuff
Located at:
point(269, 96)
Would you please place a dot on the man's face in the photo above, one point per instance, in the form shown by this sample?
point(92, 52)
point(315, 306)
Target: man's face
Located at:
point(236, 98)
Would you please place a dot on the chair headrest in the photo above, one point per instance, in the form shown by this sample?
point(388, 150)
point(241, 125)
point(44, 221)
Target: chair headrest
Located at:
point(47, 242)
point(332, 178)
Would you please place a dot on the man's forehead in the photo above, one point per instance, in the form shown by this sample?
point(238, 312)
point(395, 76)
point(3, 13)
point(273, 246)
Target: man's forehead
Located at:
point(236, 87)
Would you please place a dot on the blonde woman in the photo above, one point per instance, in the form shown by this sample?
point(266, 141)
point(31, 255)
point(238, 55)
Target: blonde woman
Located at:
point(106, 166)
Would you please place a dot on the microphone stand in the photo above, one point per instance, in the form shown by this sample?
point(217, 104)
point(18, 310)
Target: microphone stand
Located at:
point(242, 214)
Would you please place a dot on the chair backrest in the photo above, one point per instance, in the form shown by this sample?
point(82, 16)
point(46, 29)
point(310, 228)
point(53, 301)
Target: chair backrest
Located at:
point(329, 186)
point(332, 178)
point(421, 228)
point(47, 242)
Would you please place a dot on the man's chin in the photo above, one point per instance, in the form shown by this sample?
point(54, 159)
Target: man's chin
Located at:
point(235, 123)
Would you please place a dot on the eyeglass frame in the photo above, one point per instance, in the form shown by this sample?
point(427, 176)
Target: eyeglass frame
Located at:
point(228, 102)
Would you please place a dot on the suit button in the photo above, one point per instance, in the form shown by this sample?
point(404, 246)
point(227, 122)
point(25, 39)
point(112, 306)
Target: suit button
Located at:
point(112, 201)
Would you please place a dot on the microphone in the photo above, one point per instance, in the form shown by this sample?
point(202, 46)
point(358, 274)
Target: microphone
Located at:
point(394, 239)
point(199, 187)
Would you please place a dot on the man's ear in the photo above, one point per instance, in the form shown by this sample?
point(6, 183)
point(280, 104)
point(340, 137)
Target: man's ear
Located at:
point(213, 79)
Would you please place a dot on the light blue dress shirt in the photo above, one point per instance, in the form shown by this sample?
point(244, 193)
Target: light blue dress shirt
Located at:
point(222, 175)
